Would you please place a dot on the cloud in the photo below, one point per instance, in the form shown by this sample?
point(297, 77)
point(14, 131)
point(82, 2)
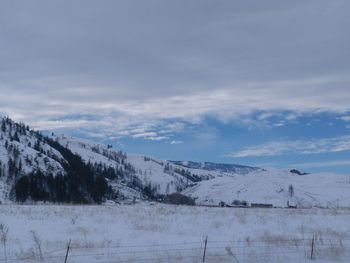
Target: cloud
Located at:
point(117, 127)
point(176, 142)
point(313, 146)
point(279, 124)
point(323, 164)
point(150, 136)
point(345, 118)
point(143, 65)
point(226, 104)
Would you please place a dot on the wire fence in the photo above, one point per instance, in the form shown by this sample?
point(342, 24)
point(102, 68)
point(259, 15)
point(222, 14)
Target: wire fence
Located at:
point(270, 249)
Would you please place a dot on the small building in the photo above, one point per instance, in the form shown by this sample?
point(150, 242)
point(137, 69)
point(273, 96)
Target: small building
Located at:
point(254, 205)
point(291, 204)
point(222, 204)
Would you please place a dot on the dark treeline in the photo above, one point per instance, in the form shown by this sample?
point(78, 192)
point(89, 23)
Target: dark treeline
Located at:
point(82, 183)
point(78, 182)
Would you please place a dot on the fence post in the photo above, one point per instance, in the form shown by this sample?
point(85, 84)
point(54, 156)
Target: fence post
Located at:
point(312, 247)
point(68, 247)
point(205, 247)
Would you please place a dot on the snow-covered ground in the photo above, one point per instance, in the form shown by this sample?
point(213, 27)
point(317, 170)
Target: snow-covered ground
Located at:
point(148, 232)
point(277, 187)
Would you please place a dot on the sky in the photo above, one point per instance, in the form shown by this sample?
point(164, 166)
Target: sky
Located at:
point(262, 83)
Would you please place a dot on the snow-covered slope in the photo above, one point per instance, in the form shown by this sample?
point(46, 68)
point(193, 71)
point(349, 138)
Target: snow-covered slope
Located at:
point(23, 151)
point(163, 176)
point(212, 183)
point(149, 171)
point(25, 147)
point(222, 168)
point(276, 187)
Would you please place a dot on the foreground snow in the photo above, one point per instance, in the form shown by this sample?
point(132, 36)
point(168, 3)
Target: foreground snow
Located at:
point(164, 233)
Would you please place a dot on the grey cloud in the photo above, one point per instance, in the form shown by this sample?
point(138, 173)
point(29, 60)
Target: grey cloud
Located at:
point(315, 146)
point(171, 59)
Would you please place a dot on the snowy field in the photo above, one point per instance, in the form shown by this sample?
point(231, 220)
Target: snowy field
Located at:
point(165, 233)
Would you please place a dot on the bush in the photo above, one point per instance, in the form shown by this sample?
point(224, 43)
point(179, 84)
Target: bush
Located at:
point(179, 199)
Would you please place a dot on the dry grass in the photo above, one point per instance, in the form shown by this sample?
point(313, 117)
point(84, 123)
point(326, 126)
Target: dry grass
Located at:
point(245, 235)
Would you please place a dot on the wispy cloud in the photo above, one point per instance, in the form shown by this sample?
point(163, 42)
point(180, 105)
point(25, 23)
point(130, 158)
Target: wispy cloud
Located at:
point(150, 136)
point(158, 119)
point(148, 71)
point(176, 142)
point(225, 102)
point(345, 118)
point(114, 127)
point(313, 146)
point(323, 164)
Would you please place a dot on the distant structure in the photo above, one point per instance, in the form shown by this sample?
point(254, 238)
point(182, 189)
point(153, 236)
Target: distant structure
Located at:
point(254, 205)
point(291, 204)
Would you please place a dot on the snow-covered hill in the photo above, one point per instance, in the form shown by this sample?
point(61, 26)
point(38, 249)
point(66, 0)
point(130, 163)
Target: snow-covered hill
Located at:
point(162, 176)
point(148, 171)
point(24, 153)
point(277, 187)
point(219, 167)
point(211, 183)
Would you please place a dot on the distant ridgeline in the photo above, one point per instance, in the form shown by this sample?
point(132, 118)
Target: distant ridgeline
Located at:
point(222, 167)
point(63, 169)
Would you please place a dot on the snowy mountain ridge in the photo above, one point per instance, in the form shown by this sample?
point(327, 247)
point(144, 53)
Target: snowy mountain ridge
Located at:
point(54, 164)
point(220, 167)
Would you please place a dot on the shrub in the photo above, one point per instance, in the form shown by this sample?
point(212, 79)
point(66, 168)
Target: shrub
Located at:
point(179, 199)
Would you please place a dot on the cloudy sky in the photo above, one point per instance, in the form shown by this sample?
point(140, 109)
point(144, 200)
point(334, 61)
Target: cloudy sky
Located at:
point(252, 82)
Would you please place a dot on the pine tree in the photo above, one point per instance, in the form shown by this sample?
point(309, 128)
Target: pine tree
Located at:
point(3, 125)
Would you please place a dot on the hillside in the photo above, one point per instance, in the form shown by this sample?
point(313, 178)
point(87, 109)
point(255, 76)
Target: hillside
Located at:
point(60, 168)
point(277, 187)
point(49, 168)
point(22, 152)
point(159, 176)
point(218, 167)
